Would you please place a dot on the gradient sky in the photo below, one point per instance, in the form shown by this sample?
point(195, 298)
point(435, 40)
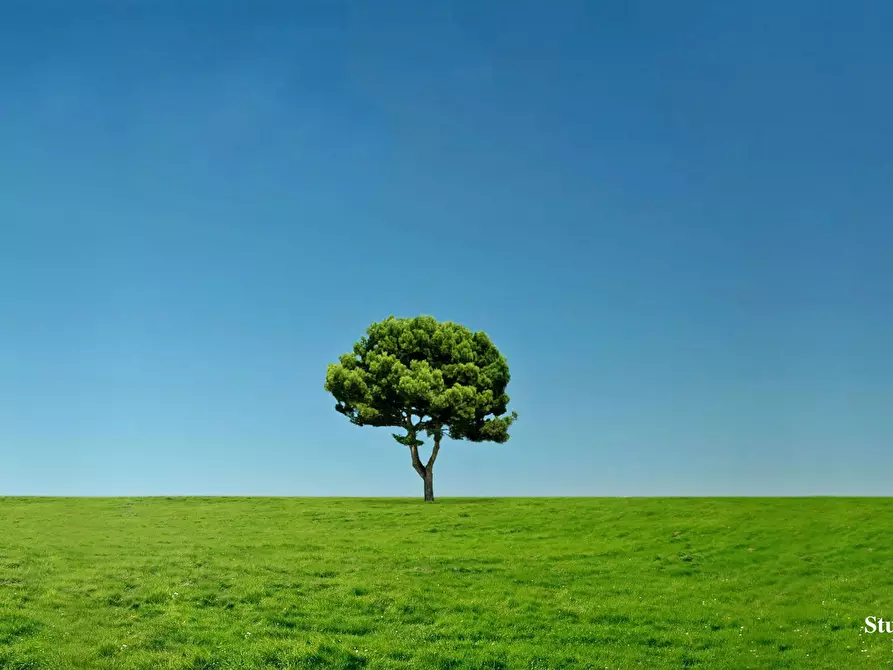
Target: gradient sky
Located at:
point(674, 219)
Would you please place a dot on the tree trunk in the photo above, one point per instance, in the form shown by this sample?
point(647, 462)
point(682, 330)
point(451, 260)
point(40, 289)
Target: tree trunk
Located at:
point(429, 483)
point(426, 470)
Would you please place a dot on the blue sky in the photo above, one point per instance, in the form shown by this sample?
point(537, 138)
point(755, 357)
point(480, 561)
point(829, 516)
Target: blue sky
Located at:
point(674, 219)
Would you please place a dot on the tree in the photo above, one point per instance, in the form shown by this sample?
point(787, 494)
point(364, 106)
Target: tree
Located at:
point(427, 378)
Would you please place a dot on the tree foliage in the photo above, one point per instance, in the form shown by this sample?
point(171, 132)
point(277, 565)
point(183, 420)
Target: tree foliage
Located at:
point(426, 377)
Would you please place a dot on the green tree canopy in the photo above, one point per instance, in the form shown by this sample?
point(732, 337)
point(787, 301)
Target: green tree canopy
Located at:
point(427, 378)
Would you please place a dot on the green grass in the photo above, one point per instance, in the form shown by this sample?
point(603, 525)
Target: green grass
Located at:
point(245, 583)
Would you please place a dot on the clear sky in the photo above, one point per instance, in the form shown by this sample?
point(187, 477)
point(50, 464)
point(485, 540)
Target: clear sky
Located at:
point(674, 219)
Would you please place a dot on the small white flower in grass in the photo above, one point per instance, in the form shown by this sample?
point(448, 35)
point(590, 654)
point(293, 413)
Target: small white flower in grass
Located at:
point(123, 646)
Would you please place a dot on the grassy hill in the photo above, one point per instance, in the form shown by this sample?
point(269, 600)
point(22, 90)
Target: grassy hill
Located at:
point(226, 583)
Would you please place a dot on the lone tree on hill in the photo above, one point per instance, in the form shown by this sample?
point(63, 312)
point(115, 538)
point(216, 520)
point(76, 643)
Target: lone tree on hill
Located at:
point(427, 378)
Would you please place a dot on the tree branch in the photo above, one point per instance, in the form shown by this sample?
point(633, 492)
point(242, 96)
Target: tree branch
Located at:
point(433, 453)
point(437, 434)
point(409, 424)
point(416, 461)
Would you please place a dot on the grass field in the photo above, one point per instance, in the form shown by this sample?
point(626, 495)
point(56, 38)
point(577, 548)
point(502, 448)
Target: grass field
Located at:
point(463, 583)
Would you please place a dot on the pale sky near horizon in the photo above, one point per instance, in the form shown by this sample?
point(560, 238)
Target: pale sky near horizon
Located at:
point(674, 219)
